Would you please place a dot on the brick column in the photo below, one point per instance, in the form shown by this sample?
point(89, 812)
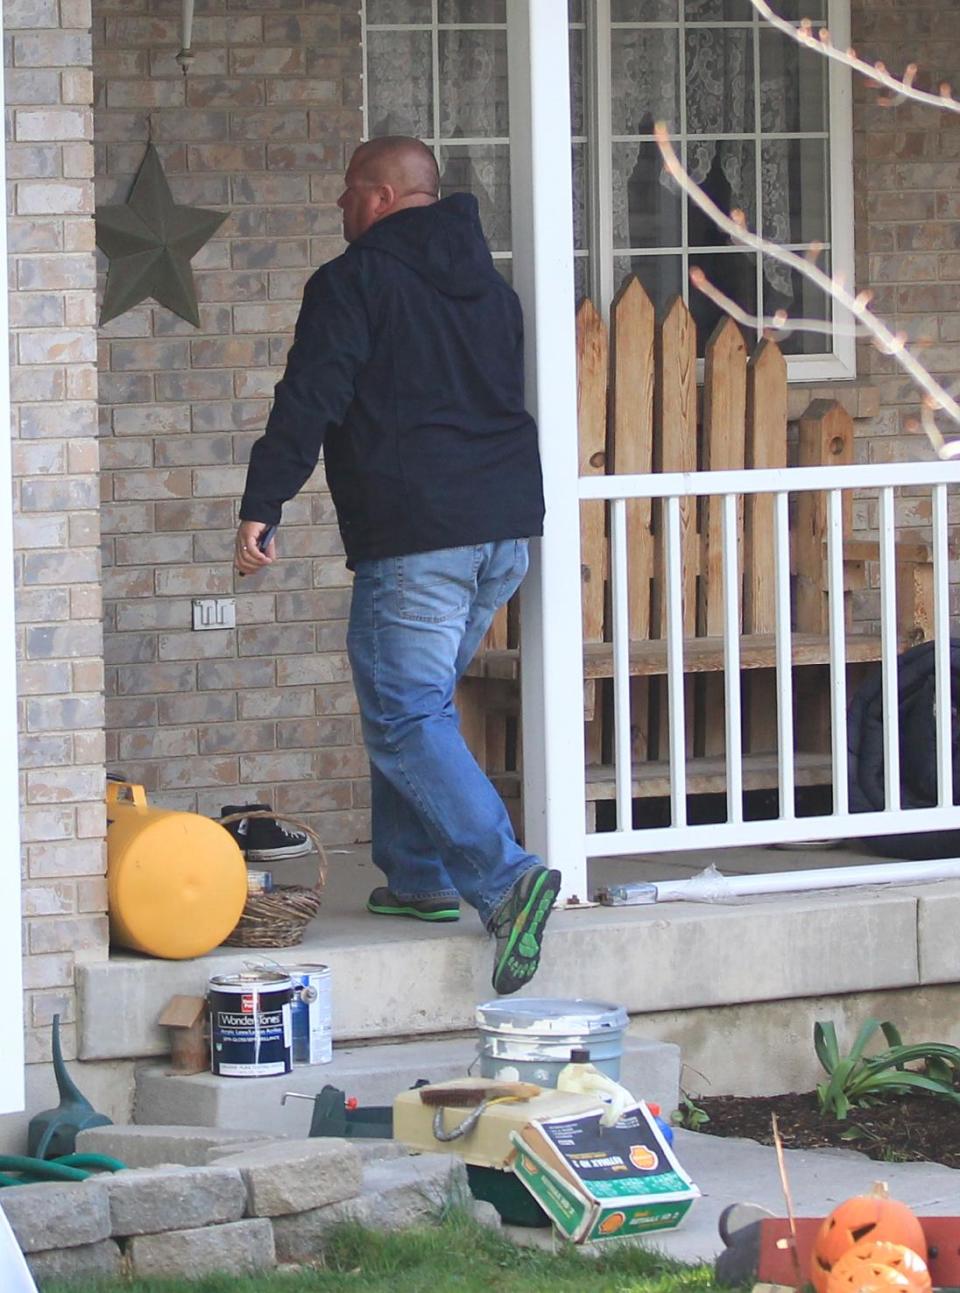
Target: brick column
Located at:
point(49, 95)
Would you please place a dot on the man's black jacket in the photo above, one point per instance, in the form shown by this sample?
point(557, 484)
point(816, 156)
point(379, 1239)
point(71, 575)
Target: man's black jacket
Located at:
point(407, 371)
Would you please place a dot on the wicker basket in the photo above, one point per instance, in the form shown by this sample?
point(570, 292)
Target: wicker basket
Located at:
point(279, 918)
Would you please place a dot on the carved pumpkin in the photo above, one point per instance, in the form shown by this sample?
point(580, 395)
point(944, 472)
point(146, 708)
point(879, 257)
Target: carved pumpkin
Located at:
point(865, 1217)
point(876, 1265)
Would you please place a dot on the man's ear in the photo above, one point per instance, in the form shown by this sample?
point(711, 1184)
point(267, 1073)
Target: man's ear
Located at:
point(386, 196)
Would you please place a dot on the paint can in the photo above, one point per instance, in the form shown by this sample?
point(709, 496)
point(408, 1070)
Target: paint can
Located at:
point(250, 1025)
point(532, 1037)
point(312, 1010)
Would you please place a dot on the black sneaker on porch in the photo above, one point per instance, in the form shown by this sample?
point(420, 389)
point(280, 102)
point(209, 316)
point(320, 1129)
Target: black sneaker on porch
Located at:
point(264, 839)
point(384, 903)
point(518, 926)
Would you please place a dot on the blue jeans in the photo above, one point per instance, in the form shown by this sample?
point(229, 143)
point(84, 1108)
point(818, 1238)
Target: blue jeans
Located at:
point(439, 828)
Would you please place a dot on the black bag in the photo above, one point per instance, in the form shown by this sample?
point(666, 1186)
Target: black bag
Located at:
point(916, 692)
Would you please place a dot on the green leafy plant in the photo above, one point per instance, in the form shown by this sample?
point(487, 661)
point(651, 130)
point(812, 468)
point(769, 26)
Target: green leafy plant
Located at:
point(689, 1114)
point(856, 1080)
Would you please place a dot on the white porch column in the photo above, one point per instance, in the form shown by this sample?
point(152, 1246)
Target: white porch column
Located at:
point(542, 209)
point(11, 1035)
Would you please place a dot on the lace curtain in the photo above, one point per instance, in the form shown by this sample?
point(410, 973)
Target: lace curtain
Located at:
point(719, 100)
point(720, 84)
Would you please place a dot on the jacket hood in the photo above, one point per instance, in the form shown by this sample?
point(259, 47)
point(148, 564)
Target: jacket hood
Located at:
point(443, 243)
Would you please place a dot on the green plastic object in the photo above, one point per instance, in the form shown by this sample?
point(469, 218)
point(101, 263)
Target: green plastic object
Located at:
point(510, 1197)
point(53, 1133)
point(331, 1117)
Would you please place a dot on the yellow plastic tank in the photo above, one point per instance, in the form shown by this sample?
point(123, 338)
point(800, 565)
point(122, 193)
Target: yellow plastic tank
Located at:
point(176, 882)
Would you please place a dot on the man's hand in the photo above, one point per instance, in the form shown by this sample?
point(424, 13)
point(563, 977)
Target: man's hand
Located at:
point(247, 556)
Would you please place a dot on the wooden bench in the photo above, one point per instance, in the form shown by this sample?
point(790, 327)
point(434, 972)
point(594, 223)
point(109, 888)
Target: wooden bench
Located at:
point(639, 412)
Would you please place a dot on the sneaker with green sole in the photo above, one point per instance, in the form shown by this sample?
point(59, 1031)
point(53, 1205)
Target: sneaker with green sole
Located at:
point(384, 903)
point(518, 926)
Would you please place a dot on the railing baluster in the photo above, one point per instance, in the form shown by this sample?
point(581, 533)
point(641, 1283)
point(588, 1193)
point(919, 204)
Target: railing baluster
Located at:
point(838, 653)
point(941, 631)
point(784, 658)
point(888, 650)
point(678, 735)
point(622, 753)
point(731, 659)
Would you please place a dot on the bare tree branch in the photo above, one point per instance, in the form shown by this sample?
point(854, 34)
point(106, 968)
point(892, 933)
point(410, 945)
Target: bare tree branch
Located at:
point(935, 397)
point(876, 73)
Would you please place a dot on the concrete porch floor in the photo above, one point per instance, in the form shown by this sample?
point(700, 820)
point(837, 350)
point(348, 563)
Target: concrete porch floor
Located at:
point(396, 978)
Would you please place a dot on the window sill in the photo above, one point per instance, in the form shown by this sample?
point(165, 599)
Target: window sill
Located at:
point(860, 399)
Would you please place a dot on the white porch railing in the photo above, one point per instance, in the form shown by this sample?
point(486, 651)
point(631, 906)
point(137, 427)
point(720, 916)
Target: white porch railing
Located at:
point(730, 487)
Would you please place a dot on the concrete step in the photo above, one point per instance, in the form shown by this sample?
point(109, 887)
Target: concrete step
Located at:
point(374, 1074)
point(395, 979)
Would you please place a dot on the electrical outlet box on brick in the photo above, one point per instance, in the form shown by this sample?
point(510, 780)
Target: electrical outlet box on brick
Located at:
point(214, 613)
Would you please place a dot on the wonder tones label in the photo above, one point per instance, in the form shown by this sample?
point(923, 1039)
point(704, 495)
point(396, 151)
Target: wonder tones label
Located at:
point(251, 1029)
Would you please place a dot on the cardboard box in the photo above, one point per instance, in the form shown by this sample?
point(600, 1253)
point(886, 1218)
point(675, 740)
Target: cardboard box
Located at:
point(598, 1182)
point(488, 1144)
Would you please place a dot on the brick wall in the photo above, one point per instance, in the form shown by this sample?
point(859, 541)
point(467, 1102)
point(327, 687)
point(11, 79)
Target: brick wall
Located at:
point(260, 127)
point(54, 391)
point(907, 204)
point(907, 195)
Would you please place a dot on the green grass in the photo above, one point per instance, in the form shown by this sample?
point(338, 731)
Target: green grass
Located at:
point(457, 1255)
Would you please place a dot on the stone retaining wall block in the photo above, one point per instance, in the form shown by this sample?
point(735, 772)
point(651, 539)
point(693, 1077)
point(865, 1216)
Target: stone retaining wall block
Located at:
point(296, 1175)
point(410, 1191)
point(148, 1146)
point(302, 1236)
point(86, 1261)
point(146, 1201)
point(237, 1248)
point(49, 1215)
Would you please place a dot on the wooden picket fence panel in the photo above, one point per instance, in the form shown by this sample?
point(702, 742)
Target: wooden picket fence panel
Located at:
point(640, 411)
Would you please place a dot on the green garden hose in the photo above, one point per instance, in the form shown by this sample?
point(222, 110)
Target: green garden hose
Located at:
point(71, 1167)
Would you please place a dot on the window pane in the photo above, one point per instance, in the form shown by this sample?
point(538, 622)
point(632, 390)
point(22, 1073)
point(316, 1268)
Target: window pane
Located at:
point(794, 10)
point(400, 83)
point(473, 11)
point(580, 182)
point(575, 11)
point(796, 187)
point(720, 81)
point(643, 10)
point(578, 40)
point(718, 10)
point(473, 84)
point(793, 85)
point(661, 276)
point(734, 274)
point(646, 208)
point(786, 289)
point(726, 171)
point(405, 11)
point(484, 171)
point(504, 268)
point(645, 80)
point(581, 278)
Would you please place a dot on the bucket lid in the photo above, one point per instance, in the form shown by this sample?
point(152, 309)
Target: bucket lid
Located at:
point(250, 980)
point(550, 1015)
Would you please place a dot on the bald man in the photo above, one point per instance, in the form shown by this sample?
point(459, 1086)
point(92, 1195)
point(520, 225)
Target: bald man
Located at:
point(406, 370)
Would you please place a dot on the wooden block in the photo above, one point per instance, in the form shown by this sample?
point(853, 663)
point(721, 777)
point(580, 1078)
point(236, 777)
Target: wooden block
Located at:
point(675, 441)
point(630, 447)
point(592, 375)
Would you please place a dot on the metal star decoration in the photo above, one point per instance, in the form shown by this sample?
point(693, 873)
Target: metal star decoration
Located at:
point(150, 241)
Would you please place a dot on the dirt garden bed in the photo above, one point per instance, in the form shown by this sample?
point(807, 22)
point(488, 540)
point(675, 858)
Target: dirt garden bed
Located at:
point(908, 1129)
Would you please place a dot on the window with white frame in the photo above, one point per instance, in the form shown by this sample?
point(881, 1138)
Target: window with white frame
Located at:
point(760, 123)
